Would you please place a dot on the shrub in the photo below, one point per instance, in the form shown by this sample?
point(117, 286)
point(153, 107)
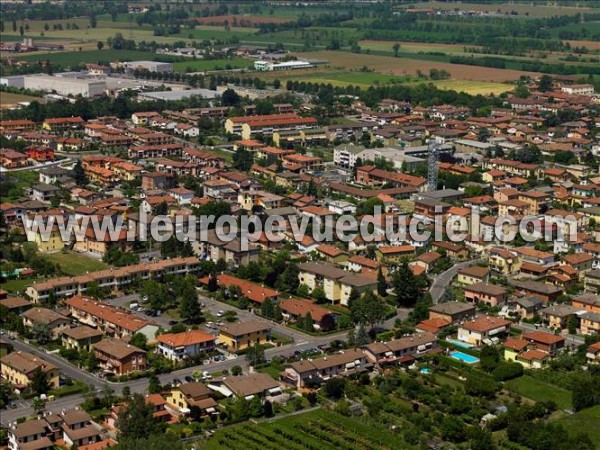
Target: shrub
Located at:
point(507, 371)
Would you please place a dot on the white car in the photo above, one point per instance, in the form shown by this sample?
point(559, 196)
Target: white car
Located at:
point(220, 313)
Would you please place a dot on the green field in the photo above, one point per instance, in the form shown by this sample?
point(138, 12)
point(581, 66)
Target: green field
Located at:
point(73, 263)
point(473, 87)
point(66, 59)
point(211, 64)
point(585, 421)
point(323, 430)
point(15, 286)
point(539, 391)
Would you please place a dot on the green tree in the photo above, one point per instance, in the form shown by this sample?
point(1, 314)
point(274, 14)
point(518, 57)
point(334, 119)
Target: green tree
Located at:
point(407, 287)
point(546, 83)
point(267, 309)
point(79, 174)
point(236, 371)
point(38, 404)
point(381, 283)
point(289, 281)
point(368, 310)
point(139, 340)
point(136, 419)
point(41, 333)
point(255, 354)
point(39, 382)
point(334, 388)
point(100, 45)
point(154, 386)
point(308, 323)
point(189, 309)
point(319, 295)
point(396, 48)
point(230, 98)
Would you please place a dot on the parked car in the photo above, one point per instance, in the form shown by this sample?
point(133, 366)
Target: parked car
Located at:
point(221, 313)
point(176, 381)
point(189, 379)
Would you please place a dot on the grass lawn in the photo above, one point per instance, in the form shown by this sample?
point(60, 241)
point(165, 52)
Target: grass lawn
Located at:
point(18, 285)
point(585, 421)
point(539, 391)
point(15, 182)
point(72, 263)
point(211, 64)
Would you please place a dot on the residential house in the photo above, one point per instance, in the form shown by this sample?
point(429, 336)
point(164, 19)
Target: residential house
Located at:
point(587, 302)
point(239, 336)
point(589, 324)
point(188, 344)
point(246, 386)
point(54, 321)
point(312, 372)
point(473, 274)
point(18, 368)
point(546, 342)
point(593, 353)
point(483, 330)
point(557, 317)
point(111, 320)
point(401, 351)
point(252, 291)
point(81, 337)
point(453, 312)
point(544, 291)
point(294, 309)
point(394, 253)
point(490, 294)
point(187, 396)
point(119, 357)
point(78, 429)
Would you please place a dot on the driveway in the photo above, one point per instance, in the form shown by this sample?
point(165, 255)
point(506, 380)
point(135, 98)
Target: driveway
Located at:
point(443, 280)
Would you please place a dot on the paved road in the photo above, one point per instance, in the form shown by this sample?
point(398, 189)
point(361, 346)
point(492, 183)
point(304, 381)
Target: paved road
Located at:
point(443, 280)
point(36, 167)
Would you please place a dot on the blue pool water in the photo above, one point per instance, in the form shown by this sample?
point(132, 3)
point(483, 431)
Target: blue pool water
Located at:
point(459, 343)
point(425, 370)
point(468, 359)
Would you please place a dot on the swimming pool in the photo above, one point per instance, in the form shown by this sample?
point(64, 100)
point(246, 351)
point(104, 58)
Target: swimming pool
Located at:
point(459, 343)
point(463, 357)
point(425, 370)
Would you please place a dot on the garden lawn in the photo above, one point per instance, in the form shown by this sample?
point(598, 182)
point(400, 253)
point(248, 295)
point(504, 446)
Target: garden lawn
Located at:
point(18, 285)
point(72, 263)
point(539, 391)
point(585, 421)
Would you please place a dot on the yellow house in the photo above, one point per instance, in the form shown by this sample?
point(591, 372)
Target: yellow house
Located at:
point(239, 336)
point(533, 359)
point(189, 395)
point(323, 275)
point(514, 346)
point(18, 368)
point(52, 244)
point(503, 261)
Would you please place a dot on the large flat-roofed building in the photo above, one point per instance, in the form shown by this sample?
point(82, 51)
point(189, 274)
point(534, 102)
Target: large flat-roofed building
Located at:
point(270, 66)
point(151, 66)
point(65, 86)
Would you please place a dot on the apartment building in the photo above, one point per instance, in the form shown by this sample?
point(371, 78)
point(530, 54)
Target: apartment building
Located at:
point(18, 368)
point(119, 357)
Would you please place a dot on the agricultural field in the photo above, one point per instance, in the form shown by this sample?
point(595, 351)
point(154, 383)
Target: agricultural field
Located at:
point(318, 430)
point(409, 66)
point(585, 421)
point(539, 391)
point(91, 56)
point(473, 87)
point(241, 19)
point(8, 99)
point(413, 47)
